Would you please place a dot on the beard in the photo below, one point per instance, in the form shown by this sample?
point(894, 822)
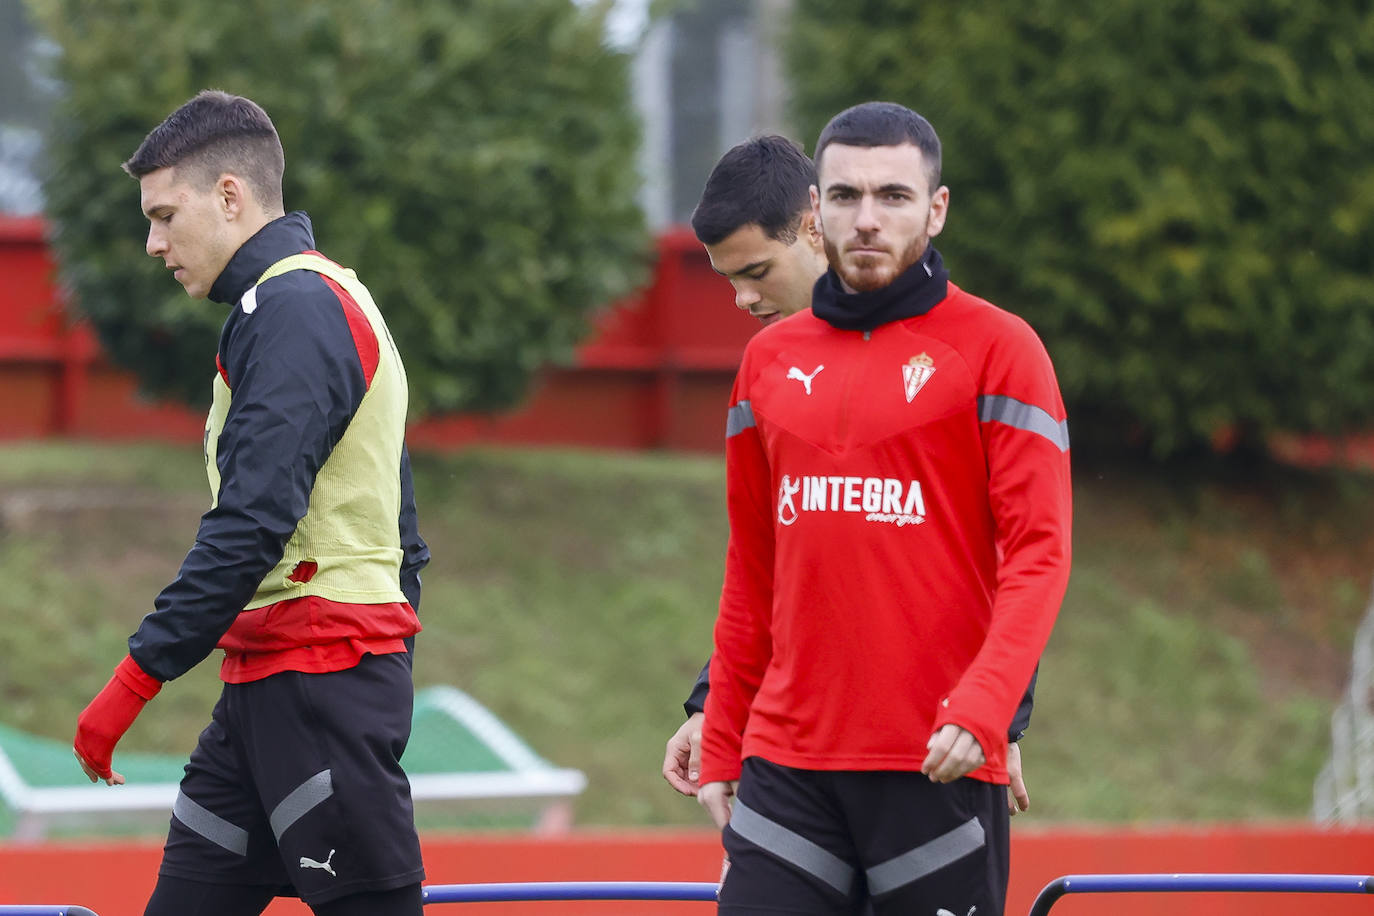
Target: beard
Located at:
point(865, 273)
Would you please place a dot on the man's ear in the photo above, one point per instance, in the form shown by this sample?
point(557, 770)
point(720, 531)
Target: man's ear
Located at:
point(231, 195)
point(939, 211)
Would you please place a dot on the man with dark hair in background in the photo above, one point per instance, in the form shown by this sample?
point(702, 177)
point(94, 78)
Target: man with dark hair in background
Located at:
point(898, 493)
point(755, 221)
point(305, 570)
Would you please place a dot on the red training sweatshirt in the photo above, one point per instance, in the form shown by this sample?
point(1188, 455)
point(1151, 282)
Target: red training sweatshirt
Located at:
point(900, 509)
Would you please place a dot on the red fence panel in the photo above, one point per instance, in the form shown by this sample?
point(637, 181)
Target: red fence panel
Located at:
point(116, 877)
point(655, 373)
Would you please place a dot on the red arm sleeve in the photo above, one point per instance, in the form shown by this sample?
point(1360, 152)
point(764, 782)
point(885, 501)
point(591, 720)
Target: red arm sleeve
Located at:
point(743, 644)
point(1026, 445)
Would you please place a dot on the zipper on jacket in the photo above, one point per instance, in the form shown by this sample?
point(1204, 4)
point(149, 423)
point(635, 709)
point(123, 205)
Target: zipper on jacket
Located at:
point(847, 400)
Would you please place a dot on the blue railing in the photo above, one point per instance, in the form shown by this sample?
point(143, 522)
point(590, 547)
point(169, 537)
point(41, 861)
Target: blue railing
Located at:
point(571, 890)
point(1237, 883)
point(705, 891)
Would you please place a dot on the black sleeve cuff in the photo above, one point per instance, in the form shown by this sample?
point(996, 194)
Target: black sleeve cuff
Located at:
point(696, 701)
point(1021, 721)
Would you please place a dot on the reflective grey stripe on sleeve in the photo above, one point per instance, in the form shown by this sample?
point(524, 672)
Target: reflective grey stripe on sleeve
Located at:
point(301, 800)
point(210, 825)
point(791, 847)
point(997, 408)
point(740, 418)
point(929, 857)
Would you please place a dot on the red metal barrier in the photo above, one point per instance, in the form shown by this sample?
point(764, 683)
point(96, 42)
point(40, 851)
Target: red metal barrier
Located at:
point(43, 357)
point(655, 373)
point(115, 878)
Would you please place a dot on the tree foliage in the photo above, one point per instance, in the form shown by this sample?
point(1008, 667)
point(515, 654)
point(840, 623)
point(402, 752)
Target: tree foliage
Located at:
point(474, 160)
point(1178, 194)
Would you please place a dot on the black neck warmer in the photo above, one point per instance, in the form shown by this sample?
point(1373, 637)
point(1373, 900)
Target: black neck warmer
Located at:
point(917, 290)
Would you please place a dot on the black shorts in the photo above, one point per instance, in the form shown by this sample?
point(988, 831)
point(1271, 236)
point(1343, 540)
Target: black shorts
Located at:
point(832, 842)
point(296, 785)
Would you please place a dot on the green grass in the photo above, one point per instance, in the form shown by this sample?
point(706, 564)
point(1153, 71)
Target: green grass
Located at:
point(1205, 636)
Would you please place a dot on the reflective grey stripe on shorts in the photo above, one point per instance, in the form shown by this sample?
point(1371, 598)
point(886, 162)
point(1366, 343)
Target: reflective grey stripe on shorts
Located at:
point(210, 825)
point(930, 856)
point(791, 847)
point(740, 418)
point(302, 799)
point(1001, 409)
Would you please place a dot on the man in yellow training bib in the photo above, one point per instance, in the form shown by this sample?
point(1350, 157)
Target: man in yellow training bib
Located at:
point(305, 569)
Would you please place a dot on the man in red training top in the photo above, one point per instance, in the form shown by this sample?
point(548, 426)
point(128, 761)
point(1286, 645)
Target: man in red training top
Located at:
point(899, 502)
point(754, 219)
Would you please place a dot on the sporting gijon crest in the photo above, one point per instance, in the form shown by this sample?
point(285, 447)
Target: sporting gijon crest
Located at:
point(916, 373)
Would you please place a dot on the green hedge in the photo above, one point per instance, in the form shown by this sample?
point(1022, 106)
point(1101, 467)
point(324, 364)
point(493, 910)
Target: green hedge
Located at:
point(473, 159)
point(1178, 194)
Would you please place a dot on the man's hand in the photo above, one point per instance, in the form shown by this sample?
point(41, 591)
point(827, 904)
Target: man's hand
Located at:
point(715, 797)
point(952, 753)
point(105, 720)
point(110, 776)
point(1018, 799)
point(682, 757)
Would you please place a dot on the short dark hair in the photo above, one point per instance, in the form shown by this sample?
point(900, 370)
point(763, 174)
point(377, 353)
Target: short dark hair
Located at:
point(883, 124)
point(765, 181)
point(211, 134)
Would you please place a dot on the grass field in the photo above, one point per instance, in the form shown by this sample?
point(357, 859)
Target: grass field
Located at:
point(1205, 635)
